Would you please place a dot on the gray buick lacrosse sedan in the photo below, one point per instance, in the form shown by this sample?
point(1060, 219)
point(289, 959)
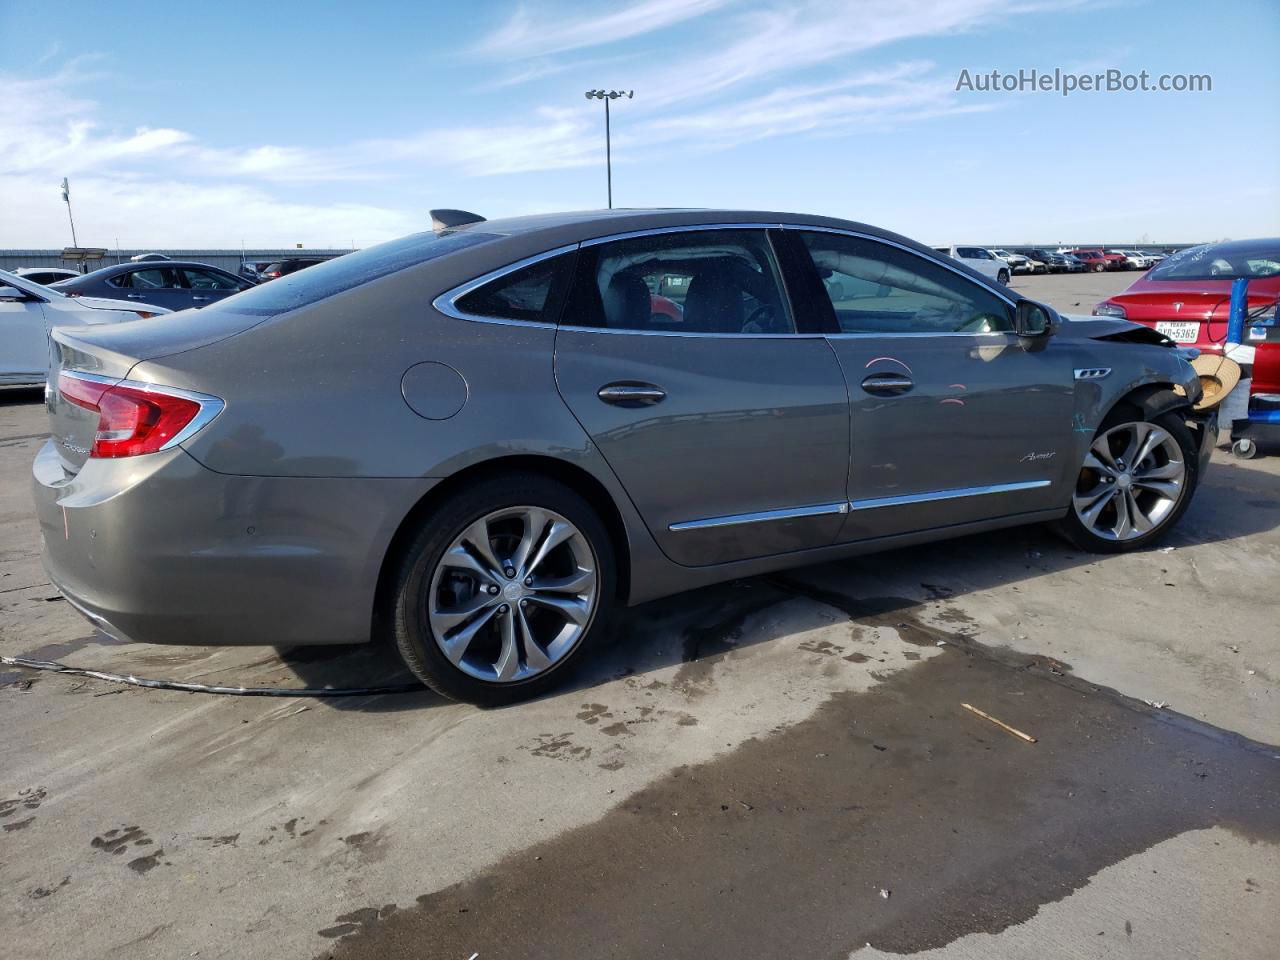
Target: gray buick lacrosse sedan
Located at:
point(482, 440)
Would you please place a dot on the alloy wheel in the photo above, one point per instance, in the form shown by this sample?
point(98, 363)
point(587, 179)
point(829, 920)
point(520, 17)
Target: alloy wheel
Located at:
point(1133, 478)
point(513, 594)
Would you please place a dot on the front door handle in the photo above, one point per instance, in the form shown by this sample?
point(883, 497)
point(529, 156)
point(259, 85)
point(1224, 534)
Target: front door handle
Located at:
point(631, 393)
point(196, 299)
point(887, 384)
point(134, 296)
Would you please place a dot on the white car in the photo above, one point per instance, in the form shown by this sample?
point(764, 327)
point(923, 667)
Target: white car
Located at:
point(1135, 259)
point(28, 311)
point(46, 275)
point(1016, 261)
point(980, 259)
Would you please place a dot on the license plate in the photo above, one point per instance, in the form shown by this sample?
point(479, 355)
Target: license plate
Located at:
point(1180, 332)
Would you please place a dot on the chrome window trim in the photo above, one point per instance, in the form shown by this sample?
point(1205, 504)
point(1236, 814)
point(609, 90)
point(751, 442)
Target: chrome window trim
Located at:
point(210, 406)
point(763, 516)
point(446, 302)
point(953, 494)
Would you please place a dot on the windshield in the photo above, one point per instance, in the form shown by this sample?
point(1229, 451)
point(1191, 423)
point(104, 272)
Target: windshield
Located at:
point(303, 287)
point(1222, 261)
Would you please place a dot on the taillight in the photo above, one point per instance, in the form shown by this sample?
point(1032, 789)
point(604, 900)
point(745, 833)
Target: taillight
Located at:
point(144, 315)
point(137, 418)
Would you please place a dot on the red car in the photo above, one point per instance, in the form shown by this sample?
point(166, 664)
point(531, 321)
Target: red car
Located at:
point(1187, 297)
point(1099, 260)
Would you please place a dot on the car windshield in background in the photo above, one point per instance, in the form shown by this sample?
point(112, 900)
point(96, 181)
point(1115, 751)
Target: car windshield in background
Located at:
point(1222, 261)
point(342, 273)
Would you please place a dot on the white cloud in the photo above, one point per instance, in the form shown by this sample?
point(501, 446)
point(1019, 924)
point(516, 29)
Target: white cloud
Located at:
point(538, 34)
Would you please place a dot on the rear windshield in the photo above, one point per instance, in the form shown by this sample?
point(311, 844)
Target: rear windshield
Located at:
point(303, 287)
point(1223, 261)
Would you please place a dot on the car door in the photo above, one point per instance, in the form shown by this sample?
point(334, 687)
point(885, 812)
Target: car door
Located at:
point(953, 417)
point(727, 426)
point(209, 286)
point(24, 337)
point(162, 286)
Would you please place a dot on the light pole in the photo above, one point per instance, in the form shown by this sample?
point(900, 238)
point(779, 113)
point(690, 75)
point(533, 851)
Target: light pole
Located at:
point(606, 96)
point(66, 196)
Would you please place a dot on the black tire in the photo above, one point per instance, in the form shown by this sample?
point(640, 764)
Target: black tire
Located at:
point(1003, 277)
point(408, 616)
point(1081, 536)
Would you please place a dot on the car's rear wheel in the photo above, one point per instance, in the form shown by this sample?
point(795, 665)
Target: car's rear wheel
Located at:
point(505, 585)
point(1136, 481)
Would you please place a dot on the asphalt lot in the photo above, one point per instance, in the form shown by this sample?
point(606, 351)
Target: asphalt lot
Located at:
point(776, 767)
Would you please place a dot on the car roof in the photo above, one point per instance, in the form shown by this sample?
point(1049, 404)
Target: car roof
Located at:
point(116, 268)
point(579, 225)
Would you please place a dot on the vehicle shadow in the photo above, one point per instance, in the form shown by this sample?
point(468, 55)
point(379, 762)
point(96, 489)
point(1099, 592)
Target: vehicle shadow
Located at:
point(703, 625)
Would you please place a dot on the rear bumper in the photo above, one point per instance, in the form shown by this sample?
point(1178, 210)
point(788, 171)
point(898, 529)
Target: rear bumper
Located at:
point(159, 549)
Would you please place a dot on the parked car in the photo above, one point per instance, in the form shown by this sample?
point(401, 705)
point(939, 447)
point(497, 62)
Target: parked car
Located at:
point(1094, 260)
point(1134, 259)
point(1051, 262)
point(980, 259)
point(29, 310)
point(282, 268)
point(175, 284)
point(1109, 261)
point(252, 269)
point(45, 275)
point(148, 257)
point(1187, 297)
point(1017, 262)
point(390, 478)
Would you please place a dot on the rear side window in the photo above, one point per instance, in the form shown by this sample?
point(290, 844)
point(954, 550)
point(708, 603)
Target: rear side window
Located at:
point(699, 281)
point(164, 278)
point(532, 294)
point(876, 288)
point(304, 287)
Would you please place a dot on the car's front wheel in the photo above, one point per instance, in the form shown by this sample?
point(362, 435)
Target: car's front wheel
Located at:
point(1136, 481)
point(1003, 276)
point(505, 585)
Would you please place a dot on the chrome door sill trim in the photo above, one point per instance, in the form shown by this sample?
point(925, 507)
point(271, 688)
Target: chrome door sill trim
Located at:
point(790, 513)
point(954, 494)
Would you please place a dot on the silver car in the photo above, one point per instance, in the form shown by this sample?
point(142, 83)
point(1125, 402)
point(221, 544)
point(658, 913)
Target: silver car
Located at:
point(483, 440)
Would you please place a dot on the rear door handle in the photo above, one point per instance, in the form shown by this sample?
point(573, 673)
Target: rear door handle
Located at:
point(631, 393)
point(199, 299)
point(887, 384)
point(134, 296)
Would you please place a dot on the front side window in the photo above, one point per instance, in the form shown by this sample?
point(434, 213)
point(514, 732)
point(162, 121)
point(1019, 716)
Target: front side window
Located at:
point(696, 281)
point(208, 280)
point(875, 288)
point(531, 294)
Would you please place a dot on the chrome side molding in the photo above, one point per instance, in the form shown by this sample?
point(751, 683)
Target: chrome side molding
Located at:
point(764, 516)
point(829, 509)
point(953, 494)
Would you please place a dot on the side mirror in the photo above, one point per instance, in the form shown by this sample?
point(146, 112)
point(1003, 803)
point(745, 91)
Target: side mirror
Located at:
point(1035, 320)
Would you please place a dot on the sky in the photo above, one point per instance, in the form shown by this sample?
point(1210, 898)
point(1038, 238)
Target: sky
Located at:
point(337, 125)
